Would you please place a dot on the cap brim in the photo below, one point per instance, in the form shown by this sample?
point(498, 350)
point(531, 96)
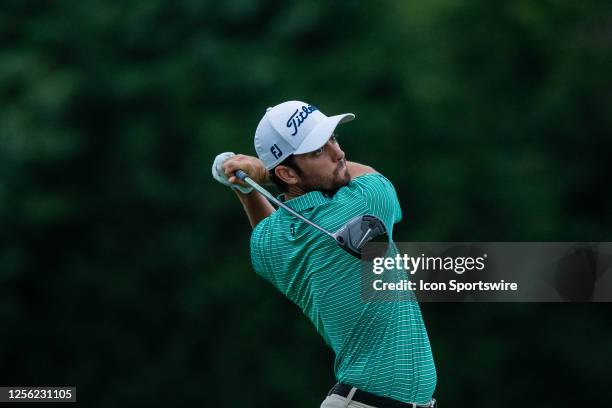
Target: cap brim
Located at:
point(322, 132)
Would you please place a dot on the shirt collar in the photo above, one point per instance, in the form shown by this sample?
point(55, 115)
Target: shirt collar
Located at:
point(305, 201)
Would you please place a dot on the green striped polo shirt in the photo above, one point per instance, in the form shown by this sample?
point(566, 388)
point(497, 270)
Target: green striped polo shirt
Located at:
point(380, 347)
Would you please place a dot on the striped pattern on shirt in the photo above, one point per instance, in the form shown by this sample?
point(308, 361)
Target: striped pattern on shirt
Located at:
point(380, 347)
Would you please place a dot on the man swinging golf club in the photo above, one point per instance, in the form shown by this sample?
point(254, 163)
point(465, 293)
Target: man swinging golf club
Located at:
point(382, 352)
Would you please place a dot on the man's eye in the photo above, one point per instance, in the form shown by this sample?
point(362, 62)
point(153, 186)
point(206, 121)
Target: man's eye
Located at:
point(318, 151)
point(333, 139)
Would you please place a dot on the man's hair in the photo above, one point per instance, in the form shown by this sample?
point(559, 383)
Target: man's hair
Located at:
point(289, 162)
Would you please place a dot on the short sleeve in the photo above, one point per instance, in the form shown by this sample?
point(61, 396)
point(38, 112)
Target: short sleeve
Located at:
point(257, 251)
point(380, 197)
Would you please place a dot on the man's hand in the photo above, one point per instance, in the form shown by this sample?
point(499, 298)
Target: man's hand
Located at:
point(219, 174)
point(249, 164)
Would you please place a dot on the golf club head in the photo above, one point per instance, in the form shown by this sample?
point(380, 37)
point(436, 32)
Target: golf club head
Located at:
point(359, 231)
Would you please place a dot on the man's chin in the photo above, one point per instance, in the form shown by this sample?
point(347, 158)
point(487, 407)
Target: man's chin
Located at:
point(332, 186)
point(343, 182)
point(347, 177)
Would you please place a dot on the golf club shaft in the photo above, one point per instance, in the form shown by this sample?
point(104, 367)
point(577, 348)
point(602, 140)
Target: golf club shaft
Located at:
point(244, 177)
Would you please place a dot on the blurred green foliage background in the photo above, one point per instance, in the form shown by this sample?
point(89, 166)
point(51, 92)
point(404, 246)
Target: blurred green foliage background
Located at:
point(124, 268)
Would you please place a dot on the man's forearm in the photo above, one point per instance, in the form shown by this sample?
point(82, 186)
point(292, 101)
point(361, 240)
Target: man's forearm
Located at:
point(356, 169)
point(256, 206)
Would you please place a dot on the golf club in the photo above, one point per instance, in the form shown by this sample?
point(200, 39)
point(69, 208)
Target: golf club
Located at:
point(352, 237)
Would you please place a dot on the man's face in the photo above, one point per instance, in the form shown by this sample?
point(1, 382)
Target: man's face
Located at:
point(324, 169)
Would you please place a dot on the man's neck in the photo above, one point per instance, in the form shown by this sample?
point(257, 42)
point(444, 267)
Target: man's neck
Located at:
point(293, 192)
point(296, 193)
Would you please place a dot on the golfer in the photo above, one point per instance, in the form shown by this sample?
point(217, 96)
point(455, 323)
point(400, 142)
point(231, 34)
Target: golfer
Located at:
point(382, 353)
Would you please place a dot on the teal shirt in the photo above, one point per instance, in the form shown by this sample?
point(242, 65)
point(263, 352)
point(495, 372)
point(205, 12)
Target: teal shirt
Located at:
point(381, 347)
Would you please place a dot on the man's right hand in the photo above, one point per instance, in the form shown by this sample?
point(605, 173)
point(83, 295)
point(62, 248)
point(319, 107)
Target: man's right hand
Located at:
point(218, 173)
point(249, 164)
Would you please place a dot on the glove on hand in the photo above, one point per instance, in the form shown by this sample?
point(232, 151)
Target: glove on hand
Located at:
point(219, 174)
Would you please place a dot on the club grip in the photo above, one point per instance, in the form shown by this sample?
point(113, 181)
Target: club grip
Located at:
point(241, 174)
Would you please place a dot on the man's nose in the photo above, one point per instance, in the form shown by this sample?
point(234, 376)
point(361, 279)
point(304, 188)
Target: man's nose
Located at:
point(337, 152)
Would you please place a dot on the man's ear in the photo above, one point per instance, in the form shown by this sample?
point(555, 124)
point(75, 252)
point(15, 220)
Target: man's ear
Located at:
point(287, 174)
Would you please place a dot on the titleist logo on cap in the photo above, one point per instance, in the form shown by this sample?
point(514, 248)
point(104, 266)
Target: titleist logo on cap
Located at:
point(298, 117)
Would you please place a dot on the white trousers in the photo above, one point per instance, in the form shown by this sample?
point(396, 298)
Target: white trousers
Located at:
point(336, 401)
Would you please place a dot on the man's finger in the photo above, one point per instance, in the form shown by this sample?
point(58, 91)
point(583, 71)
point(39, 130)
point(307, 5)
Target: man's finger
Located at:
point(229, 168)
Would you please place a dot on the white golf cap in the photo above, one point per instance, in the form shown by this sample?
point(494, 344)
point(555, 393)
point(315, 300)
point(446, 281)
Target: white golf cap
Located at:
point(293, 127)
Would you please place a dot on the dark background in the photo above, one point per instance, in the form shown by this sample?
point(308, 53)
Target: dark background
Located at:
point(124, 268)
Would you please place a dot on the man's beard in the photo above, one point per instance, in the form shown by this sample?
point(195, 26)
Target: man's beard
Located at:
point(328, 185)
